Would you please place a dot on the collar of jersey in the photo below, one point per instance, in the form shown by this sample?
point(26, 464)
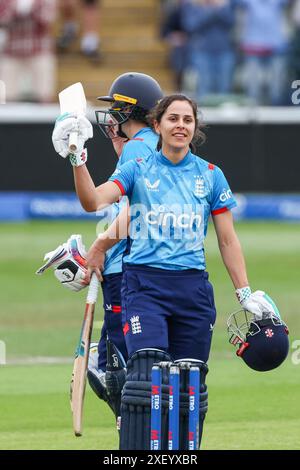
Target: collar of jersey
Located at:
point(184, 162)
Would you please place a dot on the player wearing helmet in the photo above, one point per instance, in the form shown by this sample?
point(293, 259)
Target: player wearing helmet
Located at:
point(131, 97)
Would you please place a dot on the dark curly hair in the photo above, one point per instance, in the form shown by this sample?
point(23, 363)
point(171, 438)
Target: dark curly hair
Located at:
point(159, 110)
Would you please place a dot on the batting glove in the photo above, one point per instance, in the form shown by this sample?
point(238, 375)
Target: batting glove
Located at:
point(258, 303)
point(68, 262)
point(64, 125)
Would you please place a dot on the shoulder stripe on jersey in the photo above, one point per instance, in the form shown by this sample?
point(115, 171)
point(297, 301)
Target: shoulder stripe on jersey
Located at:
point(138, 138)
point(120, 186)
point(219, 211)
point(211, 166)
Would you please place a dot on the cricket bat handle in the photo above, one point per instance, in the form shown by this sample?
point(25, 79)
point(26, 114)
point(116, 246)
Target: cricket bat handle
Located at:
point(73, 138)
point(93, 290)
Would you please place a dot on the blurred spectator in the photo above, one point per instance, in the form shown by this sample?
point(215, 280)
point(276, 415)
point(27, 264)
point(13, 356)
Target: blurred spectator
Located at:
point(176, 38)
point(264, 44)
point(209, 24)
point(90, 39)
point(27, 56)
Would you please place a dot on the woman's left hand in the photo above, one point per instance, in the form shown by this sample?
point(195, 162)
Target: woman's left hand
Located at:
point(94, 263)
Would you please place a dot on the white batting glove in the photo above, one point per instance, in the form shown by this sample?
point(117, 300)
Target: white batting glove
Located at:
point(64, 125)
point(258, 303)
point(68, 262)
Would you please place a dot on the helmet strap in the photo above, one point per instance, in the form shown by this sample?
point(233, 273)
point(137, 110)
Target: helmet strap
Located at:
point(121, 133)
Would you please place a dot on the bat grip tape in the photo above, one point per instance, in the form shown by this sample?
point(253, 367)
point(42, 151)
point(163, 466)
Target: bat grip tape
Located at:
point(93, 290)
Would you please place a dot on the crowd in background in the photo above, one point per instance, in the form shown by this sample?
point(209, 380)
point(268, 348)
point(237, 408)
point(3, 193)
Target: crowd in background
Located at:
point(219, 50)
point(27, 42)
point(28, 65)
point(242, 48)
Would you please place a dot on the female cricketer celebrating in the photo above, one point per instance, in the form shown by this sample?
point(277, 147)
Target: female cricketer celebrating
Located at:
point(167, 301)
point(130, 98)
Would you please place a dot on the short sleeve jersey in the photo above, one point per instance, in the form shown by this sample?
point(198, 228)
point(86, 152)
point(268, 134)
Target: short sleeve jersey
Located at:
point(142, 144)
point(170, 205)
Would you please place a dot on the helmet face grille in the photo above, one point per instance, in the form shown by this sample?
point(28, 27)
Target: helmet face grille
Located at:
point(238, 325)
point(109, 121)
point(119, 113)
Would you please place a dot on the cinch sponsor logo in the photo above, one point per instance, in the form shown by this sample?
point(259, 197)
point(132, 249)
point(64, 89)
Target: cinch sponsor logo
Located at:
point(169, 218)
point(175, 221)
point(227, 194)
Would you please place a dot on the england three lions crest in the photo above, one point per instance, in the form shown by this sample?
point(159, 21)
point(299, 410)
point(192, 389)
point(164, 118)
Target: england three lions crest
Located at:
point(199, 189)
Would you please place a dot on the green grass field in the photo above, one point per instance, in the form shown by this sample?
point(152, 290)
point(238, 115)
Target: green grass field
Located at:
point(40, 320)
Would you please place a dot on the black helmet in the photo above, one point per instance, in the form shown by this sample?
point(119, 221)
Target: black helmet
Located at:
point(262, 344)
point(132, 96)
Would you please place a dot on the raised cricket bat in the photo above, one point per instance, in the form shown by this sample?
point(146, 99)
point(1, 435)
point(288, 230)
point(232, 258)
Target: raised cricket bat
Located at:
point(78, 381)
point(72, 100)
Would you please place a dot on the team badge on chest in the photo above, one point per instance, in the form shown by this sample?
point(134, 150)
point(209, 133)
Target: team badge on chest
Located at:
point(199, 189)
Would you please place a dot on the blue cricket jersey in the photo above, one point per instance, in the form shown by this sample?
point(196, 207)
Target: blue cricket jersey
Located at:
point(142, 144)
point(170, 205)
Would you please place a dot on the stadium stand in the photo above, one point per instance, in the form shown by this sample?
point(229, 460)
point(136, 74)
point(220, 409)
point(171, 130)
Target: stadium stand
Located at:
point(129, 41)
